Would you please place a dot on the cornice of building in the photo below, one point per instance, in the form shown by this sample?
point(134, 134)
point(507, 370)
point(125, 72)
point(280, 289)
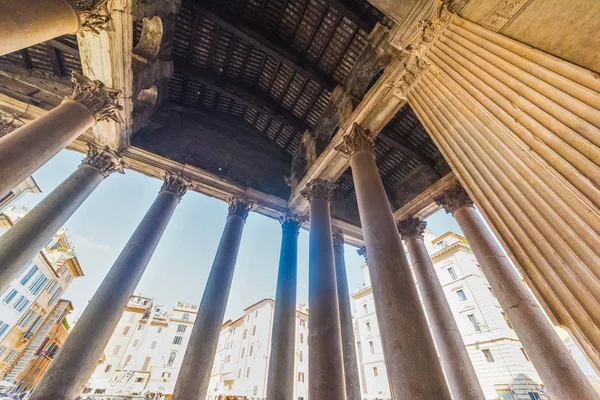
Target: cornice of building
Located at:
point(449, 250)
point(361, 292)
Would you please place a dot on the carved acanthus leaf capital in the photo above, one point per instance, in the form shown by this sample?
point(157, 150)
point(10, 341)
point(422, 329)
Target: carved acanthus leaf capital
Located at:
point(176, 183)
point(454, 199)
point(104, 160)
point(6, 126)
point(97, 98)
point(240, 206)
point(413, 68)
point(429, 31)
point(319, 189)
point(363, 252)
point(411, 228)
point(338, 239)
point(358, 139)
point(291, 223)
point(94, 14)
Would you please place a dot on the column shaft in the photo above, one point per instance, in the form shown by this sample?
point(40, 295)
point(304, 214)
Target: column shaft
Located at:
point(413, 367)
point(194, 375)
point(457, 364)
point(558, 370)
point(280, 385)
point(27, 23)
point(351, 376)
point(325, 354)
point(70, 370)
point(29, 147)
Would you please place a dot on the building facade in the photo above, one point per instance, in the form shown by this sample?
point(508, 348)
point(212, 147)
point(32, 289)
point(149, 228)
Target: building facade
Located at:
point(501, 363)
point(28, 305)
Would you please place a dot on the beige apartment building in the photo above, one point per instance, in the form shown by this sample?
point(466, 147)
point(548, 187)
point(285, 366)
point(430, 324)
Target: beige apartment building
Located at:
point(501, 363)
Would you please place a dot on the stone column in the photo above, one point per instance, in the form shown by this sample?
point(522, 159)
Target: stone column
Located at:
point(559, 372)
point(280, 385)
point(23, 241)
point(29, 147)
point(325, 354)
point(72, 367)
point(352, 380)
point(27, 23)
point(414, 370)
point(457, 364)
point(194, 375)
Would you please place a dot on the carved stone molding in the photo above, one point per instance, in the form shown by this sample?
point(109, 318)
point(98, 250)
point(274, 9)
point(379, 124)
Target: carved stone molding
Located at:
point(358, 139)
point(411, 228)
point(97, 98)
point(414, 68)
point(6, 126)
point(150, 42)
point(504, 13)
point(363, 252)
point(240, 207)
point(94, 14)
point(319, 189)
point(454, 199)
point(104, 160)
point(338, 110)
point(290, 223)
point(176, 183)
point(456, 6)
point(338, 239)
point(429, 31)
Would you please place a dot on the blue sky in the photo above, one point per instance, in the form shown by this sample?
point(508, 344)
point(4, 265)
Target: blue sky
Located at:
point(179, 268)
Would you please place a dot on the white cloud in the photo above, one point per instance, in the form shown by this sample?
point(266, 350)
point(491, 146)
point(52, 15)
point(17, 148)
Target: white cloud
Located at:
point(88, 242)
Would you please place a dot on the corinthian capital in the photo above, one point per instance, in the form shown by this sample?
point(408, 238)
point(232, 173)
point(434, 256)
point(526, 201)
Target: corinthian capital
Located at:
point(338, 239)
point(100, 100)
point(290, 223)
point(175, 183)
point(94, 14)
point(240, 207)
point(362, 252)
point(358, 139)
point(411, 228)
point(104, 160)
point(6, 126)
point(454, 199)
point(319, 189)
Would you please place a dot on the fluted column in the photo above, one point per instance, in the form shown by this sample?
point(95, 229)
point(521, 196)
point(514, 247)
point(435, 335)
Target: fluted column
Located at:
point(558, 370)
point(194, 375)
point(348, 342)
point(72, 367)
point(27, 23)
point(280, 385)
point(27, 148)
point(23, 241)
point(457, 364)
point(325, 354)
point(413, 367)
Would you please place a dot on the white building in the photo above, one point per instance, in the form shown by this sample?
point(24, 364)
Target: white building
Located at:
point(501, 363)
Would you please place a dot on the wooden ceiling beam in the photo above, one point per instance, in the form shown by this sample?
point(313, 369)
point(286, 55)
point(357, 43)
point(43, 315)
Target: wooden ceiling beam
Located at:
point(54, 57)
point(407, 149)
point(285, 56)
point(351, 15)
point(242, 96)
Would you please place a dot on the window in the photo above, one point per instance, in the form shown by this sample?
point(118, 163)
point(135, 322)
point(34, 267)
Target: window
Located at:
point(140, 327)
point(239, 373)
point(300, 356)
point(116, 350)
point(300, 376)
point(171, 359)
point(368, 326)
point(461, 295)
point(507, 321)
point(2, 350)
point(452, 273)
point(136, 342)
point(255, 313)
point(186, 316)
point(159, 330)
point(375, 372)
point(55, 296)
point(29, 274)
point(127, 360)
point(38, 284)
point(63, 270)
point(229, 358)
point(243, 351)
point(245, 333)
point(29, 316)
point(251, 351)
point(153, 345)
point(166, 375)
point(181, 328)
point(68, 278)
point(21, 304)
point(301, 338)
point(3, 327)
point(302, 323)
point(254, 330)
point(107, 369)
point(525, 354)
point(366, 308)
point(248, 372)
point(178, 340)
point(488, 355)
point(10, 355)
point(11, 295)
point(126, 330)
point(474, 322)
point(146, 363)
point(52, 286)
point(138, 380)
point(371, 347)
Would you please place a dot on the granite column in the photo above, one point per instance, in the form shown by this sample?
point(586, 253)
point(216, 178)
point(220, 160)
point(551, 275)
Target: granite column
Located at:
point(23, 241)
point(325, 354)
point(194, 375)
point(559, 371)
point(414, 370)
point(75, 362)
